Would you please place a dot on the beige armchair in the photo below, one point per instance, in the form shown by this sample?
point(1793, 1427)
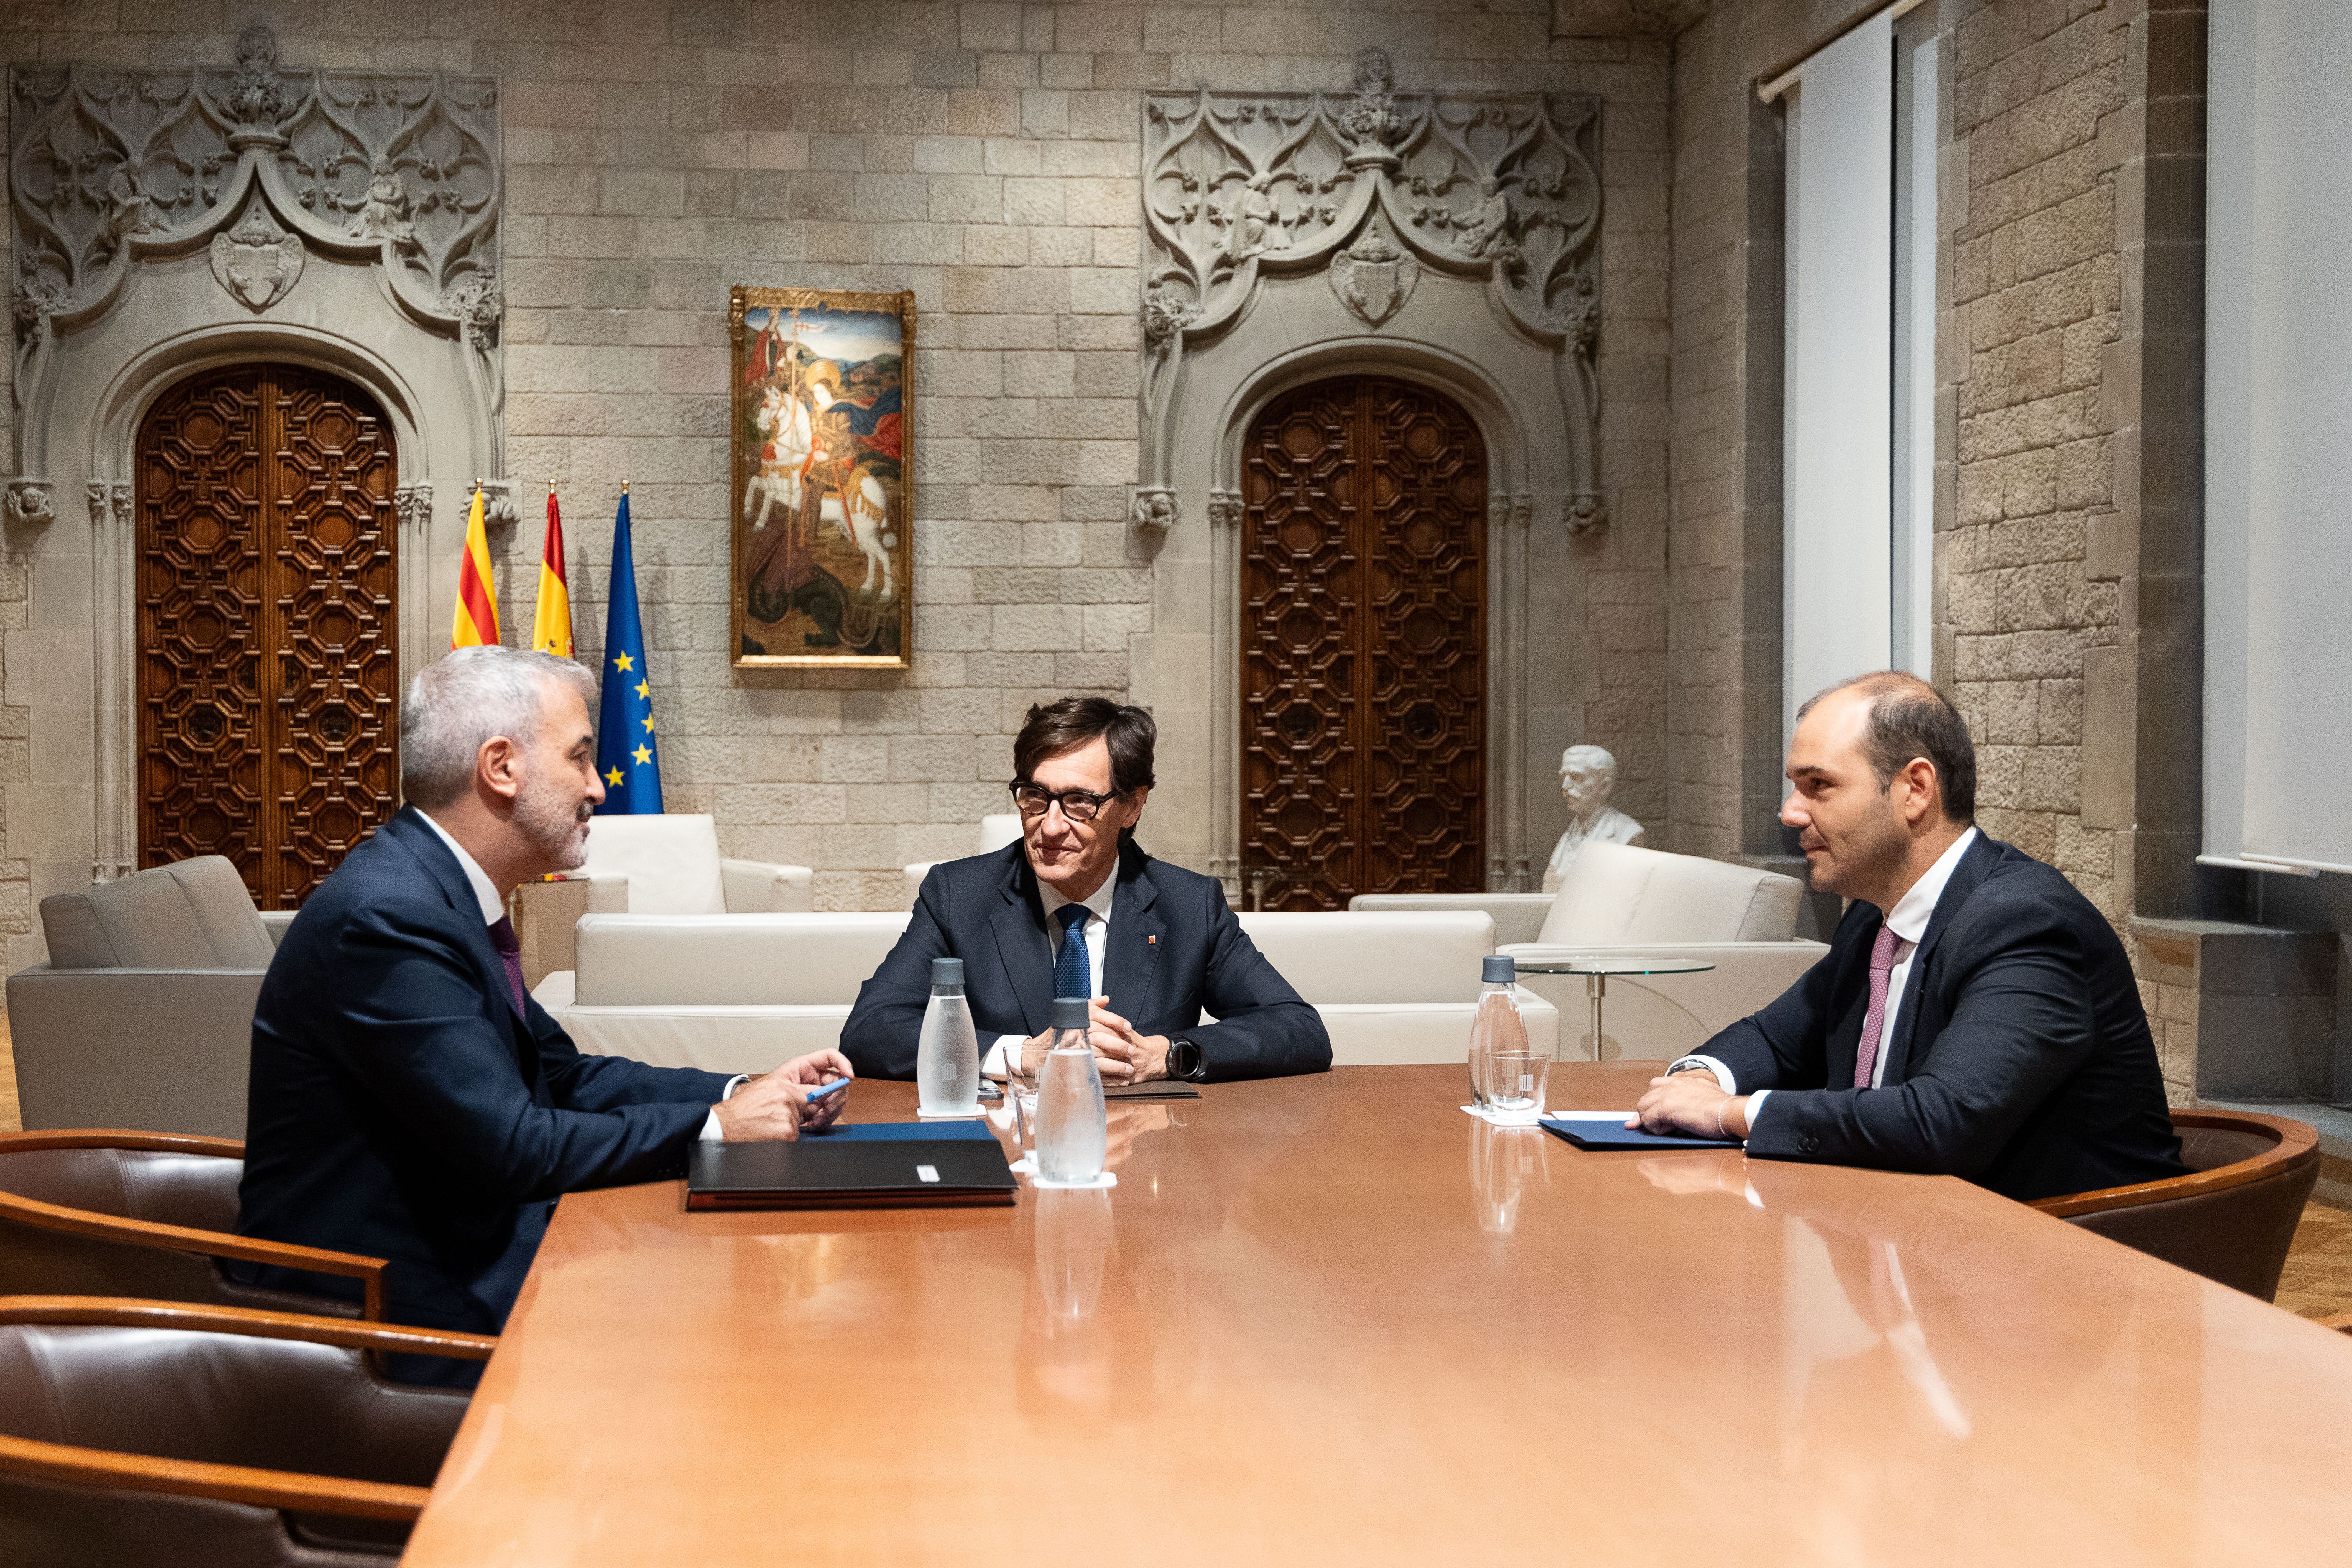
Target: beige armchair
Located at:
point(142, 1016)
point(650, 864)
point(1621, 901)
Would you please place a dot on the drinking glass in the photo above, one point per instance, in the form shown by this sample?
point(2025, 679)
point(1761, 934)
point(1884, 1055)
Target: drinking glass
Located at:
point(1024, 1066)
point(1516, 1080)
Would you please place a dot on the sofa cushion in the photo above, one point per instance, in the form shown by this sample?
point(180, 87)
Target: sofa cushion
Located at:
point(1616, 894)
point(195, 914)
point(1336, 957)
point(738, 961)
point(670, 859)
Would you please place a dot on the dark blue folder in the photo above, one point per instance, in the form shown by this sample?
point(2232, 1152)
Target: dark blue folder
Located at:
point(1610, 1132)
point(887, 1132)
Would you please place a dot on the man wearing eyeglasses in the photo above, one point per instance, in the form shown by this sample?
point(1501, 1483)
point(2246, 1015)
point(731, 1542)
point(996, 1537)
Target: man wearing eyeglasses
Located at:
point(1078, 908)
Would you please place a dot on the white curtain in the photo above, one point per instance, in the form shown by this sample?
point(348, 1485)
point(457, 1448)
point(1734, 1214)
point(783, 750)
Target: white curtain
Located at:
point(2278, 459)
point(1838, 419)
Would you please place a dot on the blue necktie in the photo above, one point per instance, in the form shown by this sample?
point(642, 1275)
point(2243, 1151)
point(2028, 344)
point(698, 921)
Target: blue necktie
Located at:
point(1073, 967)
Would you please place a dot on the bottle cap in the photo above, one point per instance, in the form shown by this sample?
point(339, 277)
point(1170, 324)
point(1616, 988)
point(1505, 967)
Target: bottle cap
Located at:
point(1497, 968)
point(1070, 1013)
point(946, 971)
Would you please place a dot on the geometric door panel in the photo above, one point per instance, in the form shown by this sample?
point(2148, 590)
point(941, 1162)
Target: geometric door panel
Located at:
point(269, 669)
point(1363, 645)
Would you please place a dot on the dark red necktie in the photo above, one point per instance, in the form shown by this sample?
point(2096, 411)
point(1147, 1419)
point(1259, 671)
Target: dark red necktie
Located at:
point(503, 938)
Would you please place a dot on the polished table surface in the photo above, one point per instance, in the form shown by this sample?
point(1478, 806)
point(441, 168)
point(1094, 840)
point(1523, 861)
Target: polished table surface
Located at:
point(1334, 1320)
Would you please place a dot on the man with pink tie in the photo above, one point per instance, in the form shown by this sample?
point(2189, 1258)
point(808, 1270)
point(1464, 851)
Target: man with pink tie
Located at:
point(1975, 1015)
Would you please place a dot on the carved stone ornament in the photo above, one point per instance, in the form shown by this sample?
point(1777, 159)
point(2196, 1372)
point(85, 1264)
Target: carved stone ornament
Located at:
point(1373, 278)
point(29, 502)
point(1379, 190)
point(1152, 511)
point(1224, 508)
point(111, 166)
point(1582, 513)
point(415, 505)
point(257, 262)
point(1500, 187)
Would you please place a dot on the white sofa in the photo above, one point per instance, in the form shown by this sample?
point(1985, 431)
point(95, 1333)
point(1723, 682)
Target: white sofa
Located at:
point(723, 993)
point(1517, 917)
point(1620, 901)
point(742, 993)
point(1394, 987)
point(996, 830)
point(661, 864)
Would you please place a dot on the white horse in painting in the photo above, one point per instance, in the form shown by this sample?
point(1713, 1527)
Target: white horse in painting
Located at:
point(860, 509)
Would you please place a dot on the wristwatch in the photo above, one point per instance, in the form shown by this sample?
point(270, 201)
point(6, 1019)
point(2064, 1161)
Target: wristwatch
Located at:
point(1185, 1061)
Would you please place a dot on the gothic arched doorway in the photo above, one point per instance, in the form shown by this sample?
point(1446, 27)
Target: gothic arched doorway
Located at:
point(1363, 646)
point(268, 654)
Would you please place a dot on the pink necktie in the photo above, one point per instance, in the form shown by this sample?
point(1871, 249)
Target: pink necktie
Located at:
point(1874, 1022)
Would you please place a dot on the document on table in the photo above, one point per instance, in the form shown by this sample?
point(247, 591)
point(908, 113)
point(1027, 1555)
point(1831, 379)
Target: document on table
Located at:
point(1607, 1130)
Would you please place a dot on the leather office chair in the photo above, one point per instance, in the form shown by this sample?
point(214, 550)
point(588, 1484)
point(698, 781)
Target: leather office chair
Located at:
point(137, 1431)
point(2232, 1218)
point(147, 1214)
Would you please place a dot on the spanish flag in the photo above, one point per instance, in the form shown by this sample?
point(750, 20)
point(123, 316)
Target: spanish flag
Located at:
point(478, 600)
point(551, 630)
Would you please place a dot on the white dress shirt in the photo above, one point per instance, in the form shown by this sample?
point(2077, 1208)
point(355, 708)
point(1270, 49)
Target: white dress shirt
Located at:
point(494, 910)
point(1908, 920)
point(1097, 927)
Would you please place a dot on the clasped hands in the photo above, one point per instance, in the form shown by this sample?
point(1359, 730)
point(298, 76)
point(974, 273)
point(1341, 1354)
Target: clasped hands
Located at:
point(774, 1107)
point(1121, 1055)
point(1692, 1103)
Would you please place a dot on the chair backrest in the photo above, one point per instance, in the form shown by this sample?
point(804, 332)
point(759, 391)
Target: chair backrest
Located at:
point(1616, 894)
point(731, 961)
point(191, 914)
point(999, 829)
point(114, 1187)
point(670, 859)
point(1338, 957)
point(163, 1185)
point(2232, 1218)
point(104, 1404)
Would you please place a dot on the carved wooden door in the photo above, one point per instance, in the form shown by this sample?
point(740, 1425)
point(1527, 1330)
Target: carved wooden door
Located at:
point(267, 633)
point(1363, 646)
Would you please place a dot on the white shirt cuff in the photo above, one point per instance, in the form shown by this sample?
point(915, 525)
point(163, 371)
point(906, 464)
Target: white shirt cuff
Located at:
point(1755, 1108)
point(710, 1133)
point(1722, 1075)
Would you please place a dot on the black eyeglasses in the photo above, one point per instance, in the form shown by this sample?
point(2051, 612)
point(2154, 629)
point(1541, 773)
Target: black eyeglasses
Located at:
point(1078, 804)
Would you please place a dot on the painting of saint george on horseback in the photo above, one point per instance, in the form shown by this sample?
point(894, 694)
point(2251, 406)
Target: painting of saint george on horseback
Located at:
point(823, 548)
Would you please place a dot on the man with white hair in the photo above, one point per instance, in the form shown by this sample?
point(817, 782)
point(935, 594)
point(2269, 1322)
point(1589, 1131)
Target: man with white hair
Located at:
point(407, 1099)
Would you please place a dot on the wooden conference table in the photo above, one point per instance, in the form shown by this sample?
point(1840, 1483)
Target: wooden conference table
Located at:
point(1333, 1320)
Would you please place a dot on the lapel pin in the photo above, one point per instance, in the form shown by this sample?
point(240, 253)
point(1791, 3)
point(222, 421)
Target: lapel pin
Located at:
point(1151, 941)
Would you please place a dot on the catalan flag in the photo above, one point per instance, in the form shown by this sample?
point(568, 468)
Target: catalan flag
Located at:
point(478, 600)
point(551, 629)
point(626, 751)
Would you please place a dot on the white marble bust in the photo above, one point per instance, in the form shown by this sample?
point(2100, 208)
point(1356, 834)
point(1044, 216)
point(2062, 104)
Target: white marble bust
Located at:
point(1587, 776)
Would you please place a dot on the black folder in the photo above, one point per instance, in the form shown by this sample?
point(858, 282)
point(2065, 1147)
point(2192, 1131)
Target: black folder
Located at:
point(845, 1174)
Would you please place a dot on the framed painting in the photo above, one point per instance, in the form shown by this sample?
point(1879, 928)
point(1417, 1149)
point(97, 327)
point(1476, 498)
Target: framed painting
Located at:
point(822, 438)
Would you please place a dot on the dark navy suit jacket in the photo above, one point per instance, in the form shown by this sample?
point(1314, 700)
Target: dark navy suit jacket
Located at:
point(400, 1106)
point(1175, 951)
point(2021, 1059)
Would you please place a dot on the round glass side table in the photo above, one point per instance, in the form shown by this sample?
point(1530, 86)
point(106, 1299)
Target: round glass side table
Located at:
point(1597, 968)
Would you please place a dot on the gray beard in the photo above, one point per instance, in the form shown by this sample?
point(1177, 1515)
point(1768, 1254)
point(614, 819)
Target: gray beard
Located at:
point(550, 822)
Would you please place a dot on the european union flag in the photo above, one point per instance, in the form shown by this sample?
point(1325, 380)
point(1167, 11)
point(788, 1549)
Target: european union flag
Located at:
point(626, 751)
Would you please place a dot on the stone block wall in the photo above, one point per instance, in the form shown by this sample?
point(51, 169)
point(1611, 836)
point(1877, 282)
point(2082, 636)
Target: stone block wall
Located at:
point(985, 155)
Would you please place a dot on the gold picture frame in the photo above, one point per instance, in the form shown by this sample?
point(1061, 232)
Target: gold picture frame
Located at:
point(821, 490)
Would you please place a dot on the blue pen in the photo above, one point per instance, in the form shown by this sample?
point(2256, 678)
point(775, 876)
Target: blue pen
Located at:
point(835, 1087)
